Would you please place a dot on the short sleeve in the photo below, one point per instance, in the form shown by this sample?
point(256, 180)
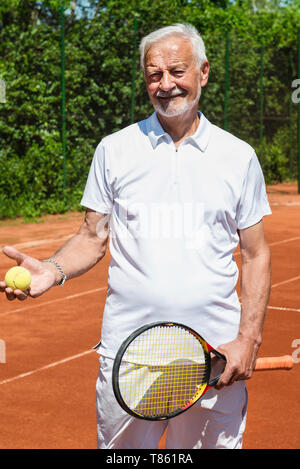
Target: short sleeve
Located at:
point(97, 193)
point(253, 204)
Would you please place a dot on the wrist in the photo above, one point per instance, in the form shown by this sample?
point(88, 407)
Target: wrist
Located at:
point(56, 268)
point(250, 337)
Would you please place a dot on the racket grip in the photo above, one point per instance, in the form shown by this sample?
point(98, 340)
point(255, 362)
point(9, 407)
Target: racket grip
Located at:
point(274, 363)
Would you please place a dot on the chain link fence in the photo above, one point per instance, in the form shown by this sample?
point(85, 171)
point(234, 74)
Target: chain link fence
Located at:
point(69, 79)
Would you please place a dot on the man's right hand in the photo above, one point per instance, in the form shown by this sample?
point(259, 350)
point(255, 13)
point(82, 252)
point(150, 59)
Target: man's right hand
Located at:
point(43, 275)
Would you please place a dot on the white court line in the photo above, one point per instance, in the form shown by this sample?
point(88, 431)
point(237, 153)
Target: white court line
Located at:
point(40, 242)
point(281, 308)
point(285, 281)
point(46, 367)
point(79, 355)
point(76, 295)
point(287, 204)
point(278, 284)
point(101, 289)
point(284, 241)
point(276, 243)
point(46, 303)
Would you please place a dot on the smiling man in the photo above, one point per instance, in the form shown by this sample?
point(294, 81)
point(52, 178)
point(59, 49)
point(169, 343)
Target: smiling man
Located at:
point(181, 194)
point(174, 75)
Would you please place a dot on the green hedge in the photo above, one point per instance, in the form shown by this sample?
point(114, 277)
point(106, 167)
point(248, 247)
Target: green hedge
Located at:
point(98, 48)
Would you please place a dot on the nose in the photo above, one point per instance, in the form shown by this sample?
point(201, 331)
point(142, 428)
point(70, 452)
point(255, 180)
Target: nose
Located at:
point(166, 82)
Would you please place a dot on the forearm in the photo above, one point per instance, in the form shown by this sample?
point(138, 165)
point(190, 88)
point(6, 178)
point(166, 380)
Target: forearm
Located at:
point(81, 252)
point(241, 352)
point(255, 290)
point(76, 256)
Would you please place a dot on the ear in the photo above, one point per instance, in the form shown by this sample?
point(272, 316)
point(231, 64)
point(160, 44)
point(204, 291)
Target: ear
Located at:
point(204, 72)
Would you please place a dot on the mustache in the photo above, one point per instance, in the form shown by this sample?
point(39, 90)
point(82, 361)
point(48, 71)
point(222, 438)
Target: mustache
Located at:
point(169, 94)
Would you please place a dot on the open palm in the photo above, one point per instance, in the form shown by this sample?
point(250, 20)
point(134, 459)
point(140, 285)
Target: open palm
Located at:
point(42, 277)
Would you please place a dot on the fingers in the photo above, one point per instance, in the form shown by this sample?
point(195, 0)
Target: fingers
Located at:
point(13, 253)
point(228, 377)
point(13, 294)
point(232, 374)
point(223, 381)
point(240, 359)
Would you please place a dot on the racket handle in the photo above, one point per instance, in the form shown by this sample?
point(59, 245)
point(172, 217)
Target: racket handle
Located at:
point(274, 363)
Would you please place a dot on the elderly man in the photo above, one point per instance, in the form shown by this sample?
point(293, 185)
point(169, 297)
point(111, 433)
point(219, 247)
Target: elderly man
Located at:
point(180, 194)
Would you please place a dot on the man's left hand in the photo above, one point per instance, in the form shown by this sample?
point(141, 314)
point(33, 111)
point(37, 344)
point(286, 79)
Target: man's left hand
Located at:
point(240, 361)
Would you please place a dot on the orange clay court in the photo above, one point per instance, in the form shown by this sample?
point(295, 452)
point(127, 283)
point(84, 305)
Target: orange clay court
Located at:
point(47, 385)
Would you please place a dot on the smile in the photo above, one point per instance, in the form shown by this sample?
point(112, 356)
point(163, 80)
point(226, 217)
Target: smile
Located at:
point(170, 97)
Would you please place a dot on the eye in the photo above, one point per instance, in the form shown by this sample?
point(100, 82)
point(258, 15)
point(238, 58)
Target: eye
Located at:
point(155, 76)
point(178, 73)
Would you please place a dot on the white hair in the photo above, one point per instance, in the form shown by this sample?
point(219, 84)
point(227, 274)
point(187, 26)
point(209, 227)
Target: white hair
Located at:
point(183, 29)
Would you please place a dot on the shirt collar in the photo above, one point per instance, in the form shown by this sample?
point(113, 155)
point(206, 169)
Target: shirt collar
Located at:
point(200, 138)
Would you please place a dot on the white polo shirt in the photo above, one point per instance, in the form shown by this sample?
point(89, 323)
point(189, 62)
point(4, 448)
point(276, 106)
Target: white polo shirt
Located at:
point(174, 216)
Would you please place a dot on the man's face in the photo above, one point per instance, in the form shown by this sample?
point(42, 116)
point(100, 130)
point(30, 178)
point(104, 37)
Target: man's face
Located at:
point(172, 76)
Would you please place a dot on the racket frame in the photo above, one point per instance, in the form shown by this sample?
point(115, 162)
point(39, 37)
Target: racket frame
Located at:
point(208, 349)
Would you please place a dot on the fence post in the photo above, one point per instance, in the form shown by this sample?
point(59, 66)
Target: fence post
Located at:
point(63, 93)
point(133, 76)
point(227, 46)
point(261, 99)
point(291, 153)
point(2, 92)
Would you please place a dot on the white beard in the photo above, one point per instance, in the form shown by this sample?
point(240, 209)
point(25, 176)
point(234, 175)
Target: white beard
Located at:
point(177, 111)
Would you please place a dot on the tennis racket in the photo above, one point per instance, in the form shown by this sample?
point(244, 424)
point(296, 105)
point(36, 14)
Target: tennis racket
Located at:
point(163, 368)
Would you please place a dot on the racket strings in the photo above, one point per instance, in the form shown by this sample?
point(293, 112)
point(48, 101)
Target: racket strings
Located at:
point(162, 371)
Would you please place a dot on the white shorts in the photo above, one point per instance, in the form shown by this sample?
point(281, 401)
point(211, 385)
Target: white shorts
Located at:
point(216, 421)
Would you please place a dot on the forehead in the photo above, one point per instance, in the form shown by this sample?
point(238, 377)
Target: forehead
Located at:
point(170, 51)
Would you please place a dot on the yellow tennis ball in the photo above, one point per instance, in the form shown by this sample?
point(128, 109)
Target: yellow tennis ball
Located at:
point(18, 278)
